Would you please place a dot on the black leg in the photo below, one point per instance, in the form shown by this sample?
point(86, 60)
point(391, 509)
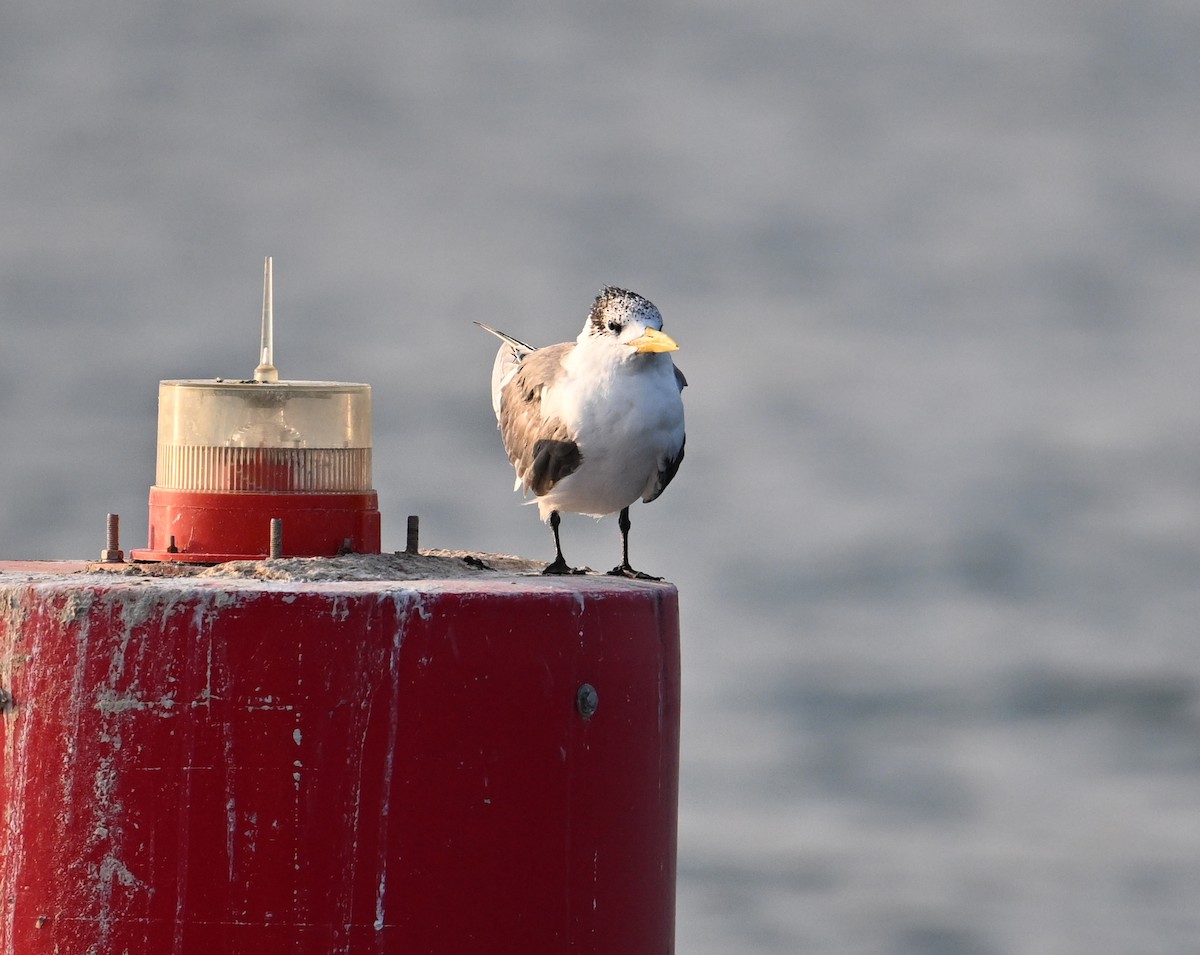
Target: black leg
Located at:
point(560, 565)
point(623, 569)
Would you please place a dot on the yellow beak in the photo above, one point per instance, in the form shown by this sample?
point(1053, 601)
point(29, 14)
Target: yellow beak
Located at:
point(653, 340)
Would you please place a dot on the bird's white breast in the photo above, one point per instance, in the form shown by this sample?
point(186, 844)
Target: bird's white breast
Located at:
point(627, 418)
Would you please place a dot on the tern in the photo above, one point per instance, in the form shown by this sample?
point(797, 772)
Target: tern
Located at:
point(592, 425)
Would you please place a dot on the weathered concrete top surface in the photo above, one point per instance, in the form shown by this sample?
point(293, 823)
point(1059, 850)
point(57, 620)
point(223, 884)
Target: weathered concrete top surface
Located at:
point(455, 568)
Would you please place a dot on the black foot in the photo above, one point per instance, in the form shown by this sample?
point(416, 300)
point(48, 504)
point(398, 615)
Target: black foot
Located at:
point(561, 567)
point(624, 570)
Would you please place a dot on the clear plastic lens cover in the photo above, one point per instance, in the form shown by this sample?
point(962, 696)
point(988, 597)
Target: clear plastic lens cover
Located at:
point(252, 436)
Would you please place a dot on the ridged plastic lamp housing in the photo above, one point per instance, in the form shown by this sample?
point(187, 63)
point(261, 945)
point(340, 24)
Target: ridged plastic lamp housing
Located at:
point(233, 455)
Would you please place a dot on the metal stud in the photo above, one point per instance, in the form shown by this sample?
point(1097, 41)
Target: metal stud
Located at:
point(275, 550)
point(112, 553)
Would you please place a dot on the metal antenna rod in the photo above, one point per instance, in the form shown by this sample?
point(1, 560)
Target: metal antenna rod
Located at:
point(266, 370)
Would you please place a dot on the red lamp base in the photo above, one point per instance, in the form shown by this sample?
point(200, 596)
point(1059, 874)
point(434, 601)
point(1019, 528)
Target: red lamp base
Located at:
point(206, 527)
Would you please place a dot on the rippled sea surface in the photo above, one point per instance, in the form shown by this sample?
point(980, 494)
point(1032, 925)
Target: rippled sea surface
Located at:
point(935, 271)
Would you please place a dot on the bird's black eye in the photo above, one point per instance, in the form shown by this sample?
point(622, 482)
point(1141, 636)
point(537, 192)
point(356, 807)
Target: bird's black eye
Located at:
point(614, 326)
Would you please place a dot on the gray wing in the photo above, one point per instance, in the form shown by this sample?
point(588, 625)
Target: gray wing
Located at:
point(670, 465)
point(509, 357)
point(668, 470)
point(541, 449)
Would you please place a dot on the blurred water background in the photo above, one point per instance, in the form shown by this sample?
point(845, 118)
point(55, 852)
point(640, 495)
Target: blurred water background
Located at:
point(935, 271)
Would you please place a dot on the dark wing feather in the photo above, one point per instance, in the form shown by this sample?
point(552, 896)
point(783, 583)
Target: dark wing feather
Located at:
point(516, 343)
point(553, 460)
point(666, 473)
point(670, 467)
point(542, 451)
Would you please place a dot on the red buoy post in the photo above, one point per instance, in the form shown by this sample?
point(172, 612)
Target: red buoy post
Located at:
point(336, 766)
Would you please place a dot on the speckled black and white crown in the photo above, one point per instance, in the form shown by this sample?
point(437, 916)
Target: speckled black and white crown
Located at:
point(615, 307)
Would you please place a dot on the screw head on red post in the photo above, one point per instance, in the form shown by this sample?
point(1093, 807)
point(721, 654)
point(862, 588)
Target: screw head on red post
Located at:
point(586, 700)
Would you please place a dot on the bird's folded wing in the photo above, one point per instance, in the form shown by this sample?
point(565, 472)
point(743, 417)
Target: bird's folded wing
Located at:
point(541, 449)
point(667, 469)
point(508, 359)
